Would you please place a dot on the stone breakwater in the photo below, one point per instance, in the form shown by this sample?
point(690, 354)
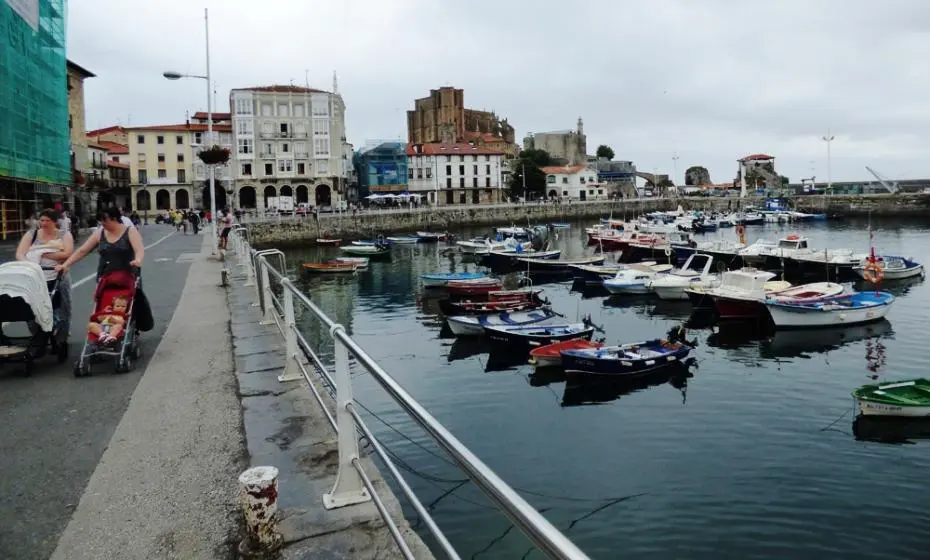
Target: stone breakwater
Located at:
point(365, 225)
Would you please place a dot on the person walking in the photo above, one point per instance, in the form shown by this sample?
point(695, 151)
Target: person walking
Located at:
point(48, 246)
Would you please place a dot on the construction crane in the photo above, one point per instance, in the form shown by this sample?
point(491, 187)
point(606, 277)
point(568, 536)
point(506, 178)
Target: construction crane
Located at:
point(891, 186)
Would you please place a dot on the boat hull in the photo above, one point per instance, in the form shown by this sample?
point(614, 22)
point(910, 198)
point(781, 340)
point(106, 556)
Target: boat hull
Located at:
point(474, 326)
point(894, 274)
point(737, 308)
point(524, 343)
point(550, 355)
point(791, 317)
point(626, 288)
point(580, 363)
point(869, 408)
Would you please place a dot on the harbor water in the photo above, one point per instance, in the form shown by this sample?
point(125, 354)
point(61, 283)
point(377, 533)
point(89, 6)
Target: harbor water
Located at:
point(748, 454)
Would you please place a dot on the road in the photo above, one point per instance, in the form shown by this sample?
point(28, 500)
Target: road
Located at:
point(57, 427)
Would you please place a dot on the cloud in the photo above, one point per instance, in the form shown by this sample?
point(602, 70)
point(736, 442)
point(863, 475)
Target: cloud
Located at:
point(712, 80)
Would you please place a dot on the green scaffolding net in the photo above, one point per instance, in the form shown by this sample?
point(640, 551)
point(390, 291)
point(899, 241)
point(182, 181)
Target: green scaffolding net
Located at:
point(34, 133)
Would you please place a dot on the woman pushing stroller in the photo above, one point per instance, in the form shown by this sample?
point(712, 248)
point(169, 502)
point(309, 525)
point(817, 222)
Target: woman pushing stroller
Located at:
point(120, 246)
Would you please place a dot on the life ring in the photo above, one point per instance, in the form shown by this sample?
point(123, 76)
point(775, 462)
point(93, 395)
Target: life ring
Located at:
point(668, 251)
point(792, 237)
point(740, 229)
point(873, 273)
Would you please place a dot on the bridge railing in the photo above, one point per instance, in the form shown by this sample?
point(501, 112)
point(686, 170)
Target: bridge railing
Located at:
point(278, 297)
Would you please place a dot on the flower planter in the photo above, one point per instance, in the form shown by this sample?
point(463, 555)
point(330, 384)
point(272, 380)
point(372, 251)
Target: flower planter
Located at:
point(214, 155)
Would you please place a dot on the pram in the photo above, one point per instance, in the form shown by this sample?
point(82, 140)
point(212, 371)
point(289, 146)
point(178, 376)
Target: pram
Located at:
point(114, 290)
point(25, 297)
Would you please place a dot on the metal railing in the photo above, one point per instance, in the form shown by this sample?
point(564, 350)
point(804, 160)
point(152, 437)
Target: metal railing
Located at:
point(352, 484)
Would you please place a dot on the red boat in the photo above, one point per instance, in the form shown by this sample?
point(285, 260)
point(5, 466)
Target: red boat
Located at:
point(473, 287)
point(550, 355)
point(523, 294)
point(468, 307)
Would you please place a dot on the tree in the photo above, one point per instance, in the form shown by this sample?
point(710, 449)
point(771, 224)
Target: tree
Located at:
point(531, 163)
point(784, 180)
point(604, 151)
point(666, 183)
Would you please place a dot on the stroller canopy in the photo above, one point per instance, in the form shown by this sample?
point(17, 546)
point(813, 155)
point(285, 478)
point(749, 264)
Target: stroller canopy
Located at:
point(25, 280)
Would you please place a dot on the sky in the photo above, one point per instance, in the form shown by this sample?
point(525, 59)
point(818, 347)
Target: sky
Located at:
point(708, 81)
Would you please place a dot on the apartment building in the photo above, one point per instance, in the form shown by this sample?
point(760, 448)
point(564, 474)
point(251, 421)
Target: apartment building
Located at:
point(455, 173)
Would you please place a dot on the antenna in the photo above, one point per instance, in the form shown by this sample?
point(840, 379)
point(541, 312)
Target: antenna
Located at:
point(307, 78)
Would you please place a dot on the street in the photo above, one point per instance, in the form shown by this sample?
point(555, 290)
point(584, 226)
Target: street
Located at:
point(56, 426)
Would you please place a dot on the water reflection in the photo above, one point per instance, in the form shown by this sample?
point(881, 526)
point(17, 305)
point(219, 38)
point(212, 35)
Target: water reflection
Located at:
point(599, 390)
point(890, 429)
point(467, 347)
point(734, 335)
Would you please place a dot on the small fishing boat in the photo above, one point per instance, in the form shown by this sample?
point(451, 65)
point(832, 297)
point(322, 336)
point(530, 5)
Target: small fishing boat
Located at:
point(550, 355)
point(635, 278)
point(403, 239)
point(903, 398)
point(430, 237)
point(695, 273)
point(560, 225)
point(473, 287)
point(329, 268)
point(543, 264)
point(360, 262)
point(463, 325)
point(594, 275)
point(520, 293)
point(846, 309)
point(465, 307)
point(327, 241)
point(523, 338)
point(740, 293)
point(479, 246)
point(369, 242)
point(626, 360)
point(893, 268)
point(370, 251)
point(441, 279)
point(807, 293)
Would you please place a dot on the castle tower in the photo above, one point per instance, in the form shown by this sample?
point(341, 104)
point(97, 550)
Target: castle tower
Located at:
point(580, 127)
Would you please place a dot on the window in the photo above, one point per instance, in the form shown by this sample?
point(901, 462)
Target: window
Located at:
point(298, 110)
point(461, 182)
point(419, 173)
point(487, 158)
point(282, 110)
point(143, 176)
point(461, 198)
point(244, 127)
point(461, 158)
point(461, 170)
point(321, 146)
point(448, 170)
point(285, 147)
point(320, 108)
point(301, 149)
point(283, 128)
point(475, 170)
point(320, 127)
point(182, 176)
point(564, 193)
point(162, 174)
point(448, 182)
point(410, 173)
point(448, 158)
point(116, 159)
point(140, 138)
point(180, 158)
point(285, 165)
point(245, 145)
point(243, 106)
point(322, 167)
point(487, 169)
point(487, 182)
point(474, 182)
point(246, 169)
point(267, 129)
point(268, 149)
point(564, 180)
point(474, 157)
point(269, 169)
point(179, 140)
point(160, 139)
point(301, 168)
point(267, 110)
point(198, 137)
point(550, 179)
point(161, 158)
point(582, 180)
point(300, 129)
point(429, 172)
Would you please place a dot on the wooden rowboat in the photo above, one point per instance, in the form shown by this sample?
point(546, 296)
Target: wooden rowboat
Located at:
point(327, 241)
point(329, 268)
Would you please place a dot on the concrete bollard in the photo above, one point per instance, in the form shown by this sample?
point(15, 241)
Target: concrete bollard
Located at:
point(258, 498)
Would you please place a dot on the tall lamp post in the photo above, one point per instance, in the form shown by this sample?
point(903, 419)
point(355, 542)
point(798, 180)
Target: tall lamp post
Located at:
point(211, 172)
point(675, 170)
point(828, 139)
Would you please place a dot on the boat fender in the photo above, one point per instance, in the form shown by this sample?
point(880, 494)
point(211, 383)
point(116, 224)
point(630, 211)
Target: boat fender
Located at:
point(873, 273)
point(668, 251)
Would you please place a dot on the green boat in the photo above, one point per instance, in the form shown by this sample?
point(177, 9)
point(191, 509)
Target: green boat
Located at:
point(902, 398)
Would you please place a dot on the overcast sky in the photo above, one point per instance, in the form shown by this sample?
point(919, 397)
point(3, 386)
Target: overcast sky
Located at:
point(710, 80)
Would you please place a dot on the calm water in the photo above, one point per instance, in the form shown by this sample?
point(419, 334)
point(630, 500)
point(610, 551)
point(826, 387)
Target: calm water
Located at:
point(751, 457)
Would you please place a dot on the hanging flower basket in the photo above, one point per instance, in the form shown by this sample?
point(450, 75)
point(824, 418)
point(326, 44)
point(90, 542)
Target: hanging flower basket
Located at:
point(214, 155)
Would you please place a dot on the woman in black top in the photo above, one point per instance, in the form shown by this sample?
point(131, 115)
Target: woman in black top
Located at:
point(119, 245)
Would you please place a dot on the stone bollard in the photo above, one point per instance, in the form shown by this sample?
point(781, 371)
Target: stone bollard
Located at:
point(258, 498)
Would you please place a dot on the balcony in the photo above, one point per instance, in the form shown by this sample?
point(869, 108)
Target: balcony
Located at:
point(299, 134)
point(284, 134)
point(266, 155)
point(302, 155)
point(267, 135)
point(98, 164)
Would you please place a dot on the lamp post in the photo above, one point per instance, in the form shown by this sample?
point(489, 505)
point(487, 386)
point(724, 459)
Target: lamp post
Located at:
point(828, 139)
point(675, 170)
point(211, 170)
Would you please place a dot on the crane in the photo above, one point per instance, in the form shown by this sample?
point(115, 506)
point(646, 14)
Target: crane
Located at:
point(892, 187)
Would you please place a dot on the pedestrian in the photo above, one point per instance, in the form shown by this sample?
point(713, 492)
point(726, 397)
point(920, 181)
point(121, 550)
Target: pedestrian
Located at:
point(195, 222)
point(226, 222)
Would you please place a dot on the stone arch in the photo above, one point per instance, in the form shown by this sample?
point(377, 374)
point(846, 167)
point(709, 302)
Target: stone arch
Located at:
point(270, 192)
point(163, 199)
point(286, 190)
point(220, 195)
point(553, 193)
point(247, 197)
point(324, 195)
point(143, 200)
point(182, 199)
point(302, 194)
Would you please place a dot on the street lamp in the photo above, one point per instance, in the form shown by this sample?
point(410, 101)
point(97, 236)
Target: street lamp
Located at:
point(675, 170)
point(212, 171)
point(828, 139)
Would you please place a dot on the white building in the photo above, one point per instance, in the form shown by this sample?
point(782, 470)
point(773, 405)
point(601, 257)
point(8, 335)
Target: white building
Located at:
point(455, 173)
point(576, 182)
point(289, 141)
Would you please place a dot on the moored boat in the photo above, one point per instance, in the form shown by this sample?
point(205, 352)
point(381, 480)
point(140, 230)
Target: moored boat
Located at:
point(537, 264)
point(473, 287)
point(695, 273)
point(488, 307)
point(846, 309)
point(625, 360)
point(441, 279)
point(473, 325)
point(740, 293)
point(550, 355)
point(902, 398)
point(635, 278)
point(360, 262)
point(327, 241)
point(403, 239)
point(892, 268)
point(523, 338)
point(806, 293)
point(430, 237)
point(329, 268)
point(370, 251)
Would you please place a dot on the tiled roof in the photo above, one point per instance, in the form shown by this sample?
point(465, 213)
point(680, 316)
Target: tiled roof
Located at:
point(113, 147)
point(99, 131)
point(118, 164)
point(755, 157)
point(442, 149)
point(562, 169)
point(184, 127)
point(97, 145)
point(202, 116)
point(282, 89)
point(83, 71)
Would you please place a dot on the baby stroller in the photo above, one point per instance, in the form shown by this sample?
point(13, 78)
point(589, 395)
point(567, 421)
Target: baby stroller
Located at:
point(120, 313)
point(26, 298)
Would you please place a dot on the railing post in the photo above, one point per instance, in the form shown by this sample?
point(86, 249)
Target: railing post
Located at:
point(266, 294)
point(291, 369)
point(349, 488)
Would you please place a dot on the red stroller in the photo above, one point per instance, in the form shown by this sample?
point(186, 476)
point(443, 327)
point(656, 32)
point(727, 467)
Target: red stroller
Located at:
point(120, 313)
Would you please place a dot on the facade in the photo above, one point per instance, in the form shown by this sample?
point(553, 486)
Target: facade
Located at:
point(381, 167)
point(460, 173)
point(441, 117)
point(115, 134)
point(574, 182)
point(35, 166)
point(618, 176)
point(289, 141)
point(569, 147)
point(757, 171)
point(117, 192)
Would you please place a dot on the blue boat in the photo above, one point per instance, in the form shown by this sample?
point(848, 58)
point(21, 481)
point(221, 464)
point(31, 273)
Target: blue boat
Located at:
point(465, 325)
point(523, 338)
point(627, 360)
point(441, 279)
point(560, 225)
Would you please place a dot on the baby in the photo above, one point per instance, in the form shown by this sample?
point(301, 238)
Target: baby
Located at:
point(109, 325)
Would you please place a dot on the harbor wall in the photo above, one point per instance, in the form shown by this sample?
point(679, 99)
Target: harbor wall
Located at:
point(362, 225)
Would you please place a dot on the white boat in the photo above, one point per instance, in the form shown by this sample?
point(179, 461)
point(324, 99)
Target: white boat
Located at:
point(695, 273)
point(762, 251)
point(473, 325)
point(740, 293)
point(480, 246)
point(893, 268)
point(848, 309)
point(360, 263)
point(512, 232)
point(635, 278)
point(403, 239)
point(806, 293)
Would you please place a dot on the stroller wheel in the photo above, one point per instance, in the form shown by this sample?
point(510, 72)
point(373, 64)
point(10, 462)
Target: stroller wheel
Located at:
point(81, 370)
point(124, 364)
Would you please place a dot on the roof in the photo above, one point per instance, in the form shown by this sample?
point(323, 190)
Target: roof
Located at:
point(281, 89)
point(113, 147)
point(84, 72)
point(757, 157)
point(440, 149)
point(202, 116)
point(183, 127)
point(97, 145)
point(99, 131)
point(119, 164)
point(562, 169)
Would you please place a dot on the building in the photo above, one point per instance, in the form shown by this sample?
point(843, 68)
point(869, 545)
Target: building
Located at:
point(568, 147)
point(574, 182)
point(115, 134)
point(756, 171)
point(290, 141)
point(618, 176)
point(35, 166)
point(115, 152)
point(455, 173)
point(381, 166)
point(441, 117)
point(117, 191)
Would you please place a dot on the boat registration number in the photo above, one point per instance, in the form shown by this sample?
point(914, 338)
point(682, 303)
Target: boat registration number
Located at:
point(883, 407)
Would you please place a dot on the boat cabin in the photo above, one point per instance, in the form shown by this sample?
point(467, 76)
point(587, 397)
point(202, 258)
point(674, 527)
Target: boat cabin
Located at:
point(697, 264)
point(792, 242)
point(748, 279)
